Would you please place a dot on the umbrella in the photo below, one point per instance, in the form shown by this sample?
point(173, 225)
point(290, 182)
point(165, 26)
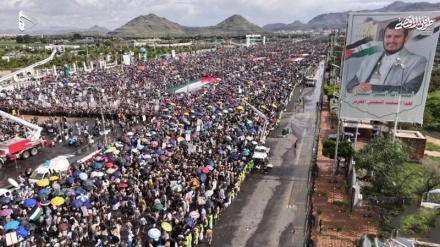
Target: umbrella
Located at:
point(234, 155)
point(69, 180)
point(57, 201)
point(53, 178)
point(109, 165)
point(211, 163)
point(5, 200)
point(30, 227)
point(5, 212)
point(43, 182)
point(249, 138)
point(88, 182)
point(63, 226)
point(96, 174)
point(83, 176)
point(58, 193)
point(76, 173)
point(240, 107)
point(177, 188)
point(157, 207)
point(189, 221)
point(30, 202)
point(98, 165)
point(110, 171)
point(194, 214)
point(202, 177)
point(79, 191)
point(209, 193)
point(205, 170)
point(21, 231)
point(210, 168)
point(43, 193)
point(167, 226)
point(45, 203)
point(123, 185)
point(154, 233)
point(56, 186)
point(76, 203)
point(69, 192)
point(11, 225)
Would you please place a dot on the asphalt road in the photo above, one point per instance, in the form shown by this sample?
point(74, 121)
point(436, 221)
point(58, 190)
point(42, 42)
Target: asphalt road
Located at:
point(12, 170)
point(270, 208)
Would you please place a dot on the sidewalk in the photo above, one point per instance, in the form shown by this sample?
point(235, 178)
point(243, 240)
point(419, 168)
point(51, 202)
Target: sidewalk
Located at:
point(335, 225)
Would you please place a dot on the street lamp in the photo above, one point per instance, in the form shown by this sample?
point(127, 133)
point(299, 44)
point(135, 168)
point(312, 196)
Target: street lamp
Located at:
point(101, 94)
point(101, 102)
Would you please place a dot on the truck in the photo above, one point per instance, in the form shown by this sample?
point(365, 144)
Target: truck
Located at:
point(19, 147)
point(261, 153)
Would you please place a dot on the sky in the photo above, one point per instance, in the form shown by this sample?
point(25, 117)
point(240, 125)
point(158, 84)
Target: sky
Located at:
point(112, 14)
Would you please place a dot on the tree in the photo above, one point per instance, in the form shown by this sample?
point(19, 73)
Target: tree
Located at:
point(430, 174)
point(77, 36)
point(345, 149)
point(384, 158)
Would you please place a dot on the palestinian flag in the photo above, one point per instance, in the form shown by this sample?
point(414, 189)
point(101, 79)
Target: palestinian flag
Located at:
point(35, 213)
point(191, 86)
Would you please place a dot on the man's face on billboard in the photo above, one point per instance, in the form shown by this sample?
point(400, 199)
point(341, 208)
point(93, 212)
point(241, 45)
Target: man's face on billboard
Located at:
point(393, 40)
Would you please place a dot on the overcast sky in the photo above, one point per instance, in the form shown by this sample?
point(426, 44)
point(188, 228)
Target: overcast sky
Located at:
point(112, 14)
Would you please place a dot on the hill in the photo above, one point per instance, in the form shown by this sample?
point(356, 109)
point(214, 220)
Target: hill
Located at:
point(154, 26)
point(339, 19)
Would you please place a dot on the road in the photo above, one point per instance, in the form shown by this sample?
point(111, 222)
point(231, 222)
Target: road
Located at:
point(270, 208)
point(12, 170)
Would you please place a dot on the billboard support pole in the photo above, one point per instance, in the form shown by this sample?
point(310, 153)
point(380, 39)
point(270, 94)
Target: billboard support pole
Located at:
point(402, 66)
point(335, 161)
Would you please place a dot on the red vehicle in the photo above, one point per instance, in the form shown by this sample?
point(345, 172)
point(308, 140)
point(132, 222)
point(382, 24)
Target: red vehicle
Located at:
point(18, 147)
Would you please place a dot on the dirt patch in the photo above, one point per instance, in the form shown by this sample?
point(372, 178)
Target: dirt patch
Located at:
point(432, 153)
point(433, 139)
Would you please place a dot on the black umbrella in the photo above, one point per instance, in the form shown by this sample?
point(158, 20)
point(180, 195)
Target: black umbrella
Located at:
point(130, 182)
point(88, 182)
point(30, 227)
point(98, 182)
point(5, 200)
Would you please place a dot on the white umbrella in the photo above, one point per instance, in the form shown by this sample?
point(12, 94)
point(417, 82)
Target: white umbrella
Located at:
point(209, 193)
point(194, 214)
point(83, 176)
point(96, 174)
point(110, 171)
point(130, 133)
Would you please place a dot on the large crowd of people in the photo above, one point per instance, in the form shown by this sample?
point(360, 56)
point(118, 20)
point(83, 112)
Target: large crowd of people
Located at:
point(180, 159)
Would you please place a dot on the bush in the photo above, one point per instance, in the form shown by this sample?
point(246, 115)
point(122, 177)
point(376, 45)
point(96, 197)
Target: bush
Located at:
point(329, 90)
point(421, 222)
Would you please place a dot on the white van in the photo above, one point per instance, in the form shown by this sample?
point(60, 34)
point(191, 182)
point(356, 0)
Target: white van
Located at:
point(59, 164)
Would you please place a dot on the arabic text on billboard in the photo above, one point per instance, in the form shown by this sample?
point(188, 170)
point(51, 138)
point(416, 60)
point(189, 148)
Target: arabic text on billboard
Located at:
point(387, 66)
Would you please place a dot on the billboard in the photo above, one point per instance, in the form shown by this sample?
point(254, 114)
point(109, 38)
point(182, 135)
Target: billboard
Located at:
point(387, 65)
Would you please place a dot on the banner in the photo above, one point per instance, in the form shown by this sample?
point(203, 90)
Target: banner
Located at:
point(388, 64)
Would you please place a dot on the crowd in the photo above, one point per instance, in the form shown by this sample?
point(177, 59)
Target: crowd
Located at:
point(168, 178)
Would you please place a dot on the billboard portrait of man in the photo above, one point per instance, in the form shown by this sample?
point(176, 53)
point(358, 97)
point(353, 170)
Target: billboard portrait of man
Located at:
point(388, 59)
point(395, 69)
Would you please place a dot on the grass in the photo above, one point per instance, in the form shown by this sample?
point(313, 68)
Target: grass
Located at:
point(435, 158)
point(432, 147)
point(420, 222)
